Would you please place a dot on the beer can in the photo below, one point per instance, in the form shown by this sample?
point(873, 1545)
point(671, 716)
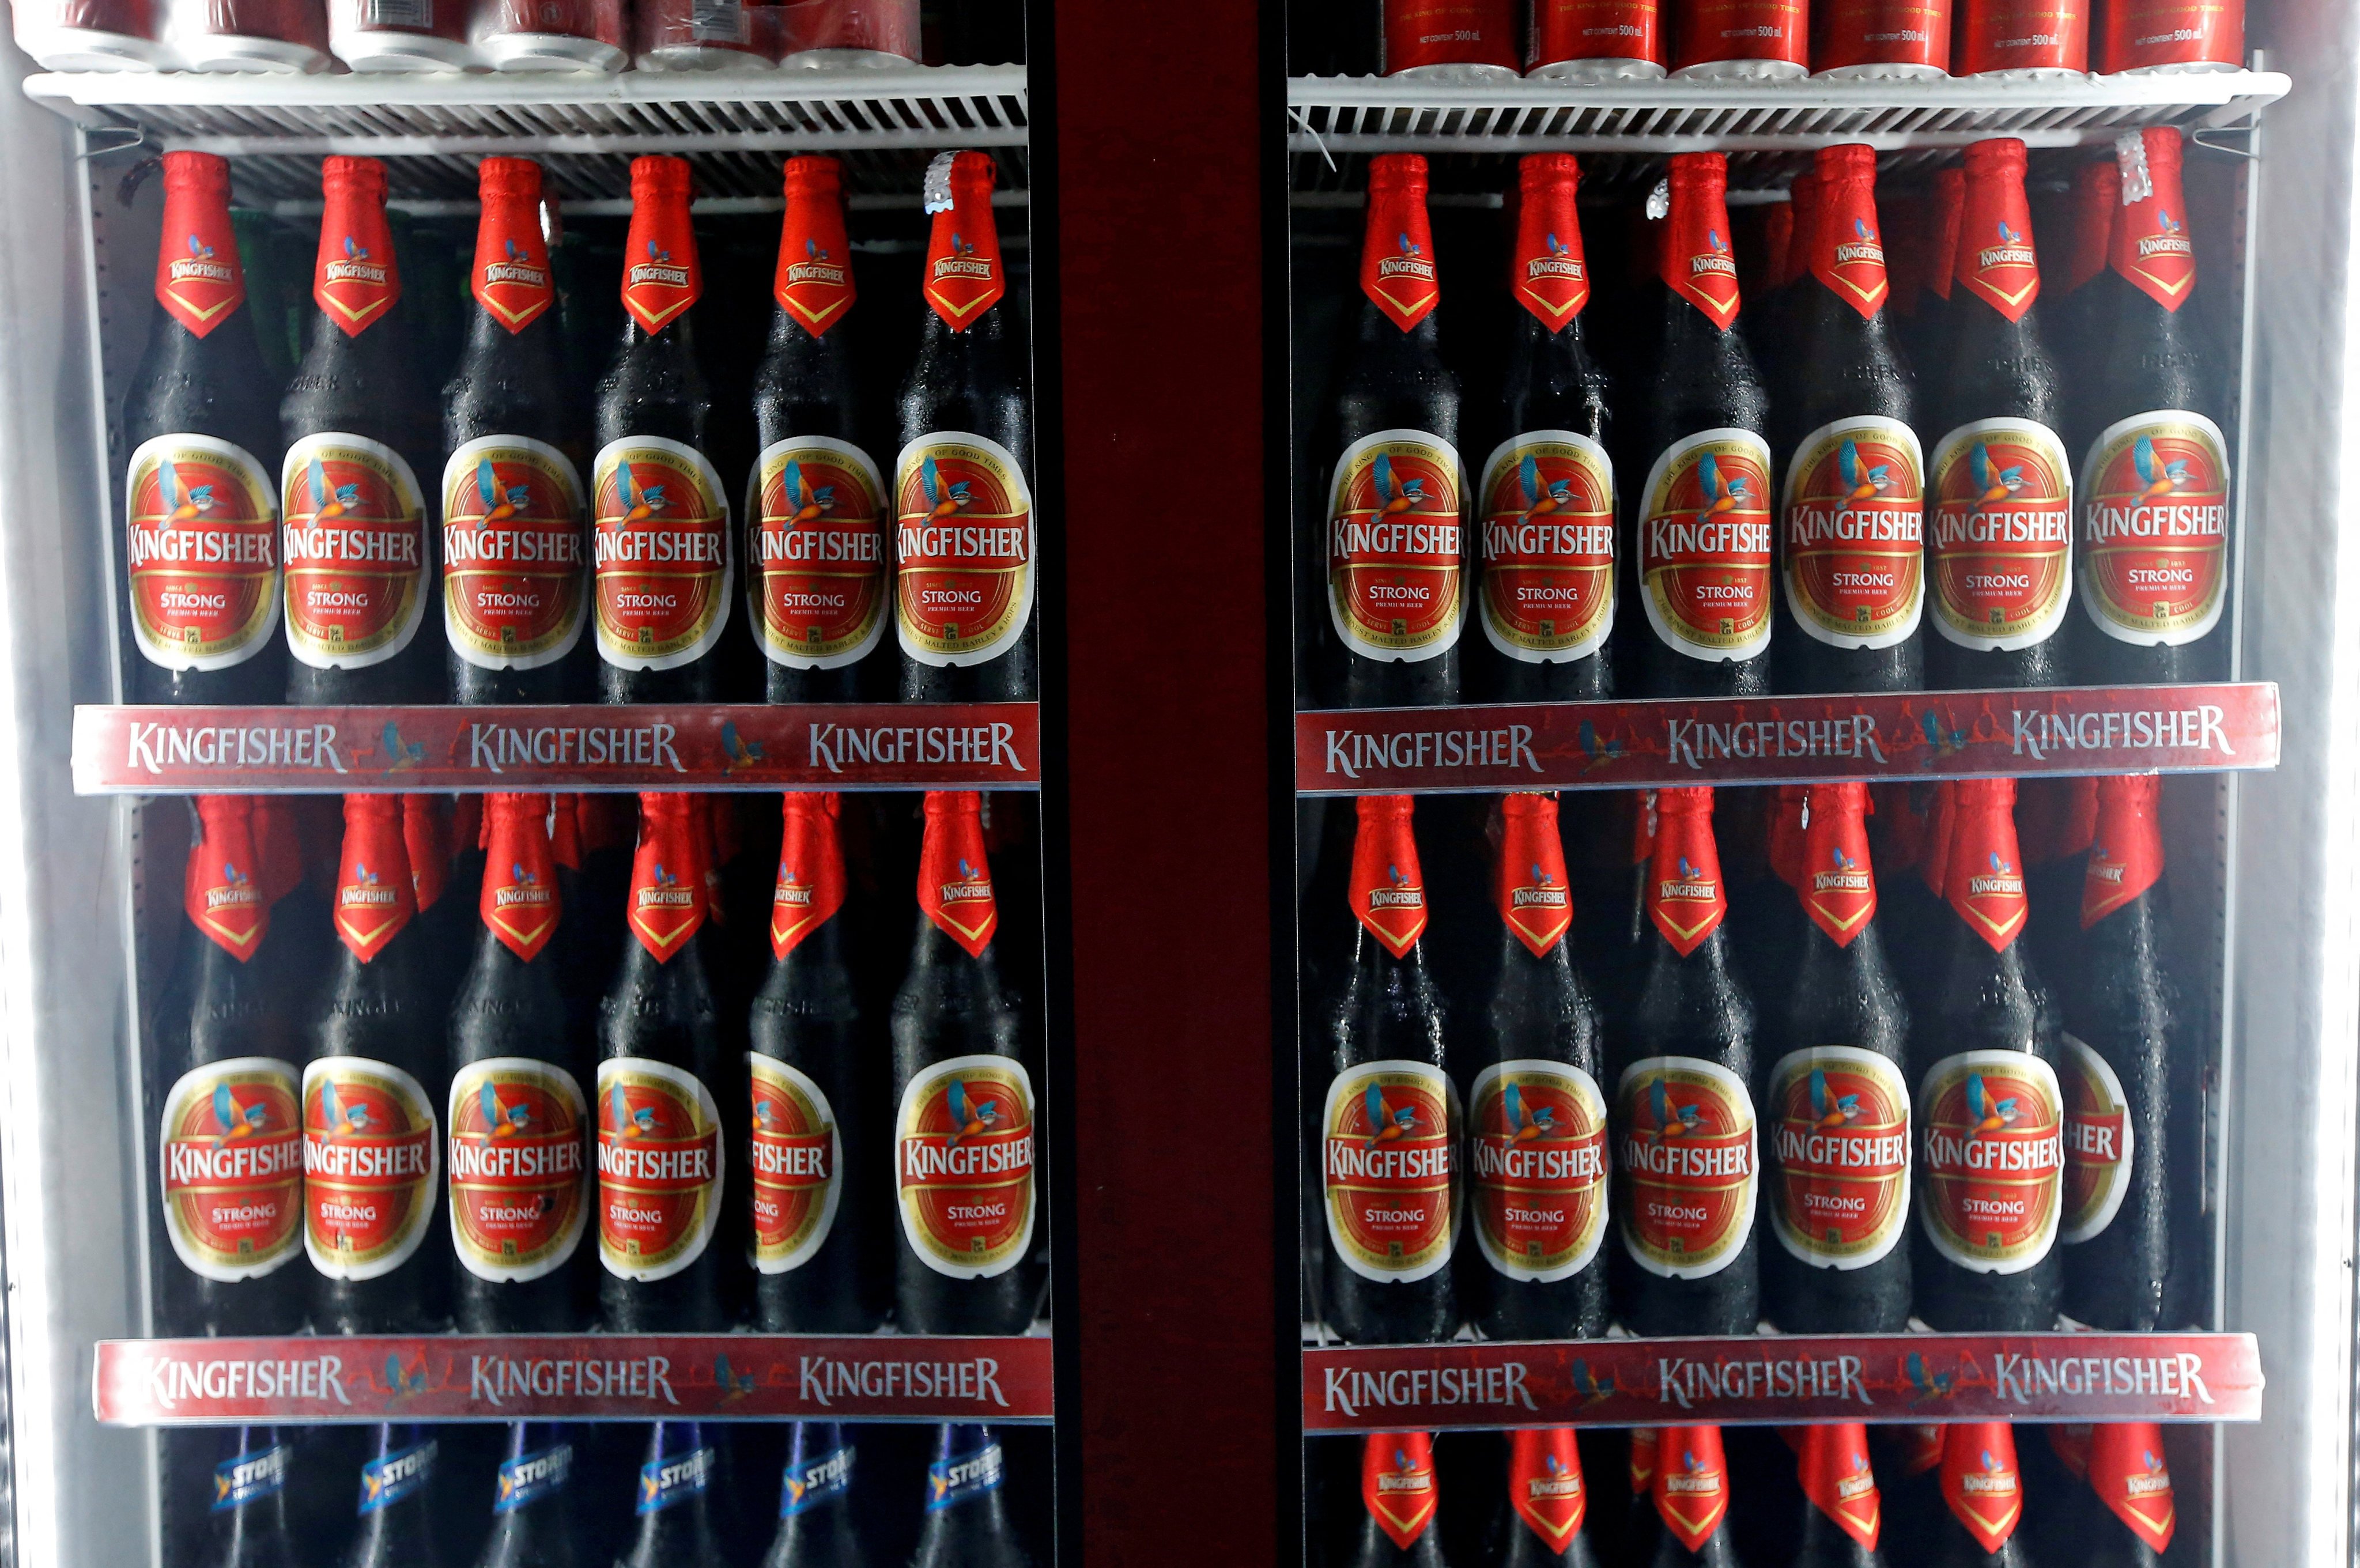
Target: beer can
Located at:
point(2022, 39)
point(264, 36)
point(400, 35)
point(1594, 40)
point(706, 34)
point(1449, 41)
point(1740, 40)
point(1861, 40)
point(88, 35)
point(826, 34)
point(520, 37)
point(2170, 36)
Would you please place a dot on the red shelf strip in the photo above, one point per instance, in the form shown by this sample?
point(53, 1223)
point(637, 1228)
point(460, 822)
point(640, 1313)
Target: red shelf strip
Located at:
point(725, 1376)
point(1729, 740)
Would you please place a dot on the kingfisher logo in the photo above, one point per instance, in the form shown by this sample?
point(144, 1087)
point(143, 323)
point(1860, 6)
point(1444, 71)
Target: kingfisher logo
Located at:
point(200, 266)
point(1410, 262)
point(1401, 893)
point(1715, 262)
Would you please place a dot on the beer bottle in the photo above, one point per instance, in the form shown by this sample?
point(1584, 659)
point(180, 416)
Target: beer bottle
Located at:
point(1399, 1494)
point(1838, 1097)
point(2119, 1066)
point(248, 1514)
point(967, 1523)
point(2132, 1521)
point(1546, 588)
point(815, 1523)
point(1929, 341)
point(2054, 820)
point(817, 570)
point(1388, 1135)
point(2097, 192)
point(1990, 1113)
point(2153, 555)
point(813, 1233)
point(675, 1527)
point(1685, 1157)
point(661, 1161)
point(1911, 1456)
point(1640, 1523)
point(429, 834)
point(1854, 499)
point(970, 1256)
point(1540, 1524)
point(1393, 543)
point(1536, 1120)
point(1983, 1492)
point(532, 1518)
point(1841, 1515)
point(515, 583)
point(200, 501)
point(1999, 485)
point(1790, 230)
point(520, 1125)
point(1691, 1496)
point(230, 1148)
point(372, 1080)
point(659, 516)
point(397, 1508)
point(1701, 563)
point(966, 552)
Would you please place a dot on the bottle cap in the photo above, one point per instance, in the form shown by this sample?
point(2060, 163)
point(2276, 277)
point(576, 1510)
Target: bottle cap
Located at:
point(1995, 260)
point(1949, 205)
point(1837, 881)
point(1847, 252)
point(1980, 1482)
point(428, 841)
point(1545, 1485)
point(2126, 1470)
point(2149, 245)
point(1834, 1469)
point(1691, 1482)
point(355, 280)
point(198, 278)
point(1986, 872)
point(2097, 192)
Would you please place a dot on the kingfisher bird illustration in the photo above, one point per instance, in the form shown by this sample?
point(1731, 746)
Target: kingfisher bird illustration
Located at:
point(1689, 873)
point(1987, 1113)
point(199, 250)
point(353, 1118)
point(498, 504)
point(180, 506)
point(970, 1117)
point(1524, 1125)
point(1993, 484)
point(735, 1384)
point(656, 252)
point(808, 500)
point(767, 1112)
point(1861, 482)
point(1712, 237)
point(1593, 1391)
point(961, 245)
point(398, 1381)
point(355, 250)
point(505, 1121)
point(1672, 1121)
point(2170, 223)
point(1409, 247)
point(629, 1122)
point(1598, 752)
point(331, 502)
point(1396, 497)
point(1386, 1123)
point(1860, 226)
point(2161, 477)
point(1929, 1387)
point(813, 250)
point(640, 502)
point(398, 752)
point(1944, 741)
point(2008, 236)
point(942, 499)
point(741, 752)
point(1830, 1111)
point(1719, 495)
point(1541, 498)
point(516, 252)
point(234, 1120)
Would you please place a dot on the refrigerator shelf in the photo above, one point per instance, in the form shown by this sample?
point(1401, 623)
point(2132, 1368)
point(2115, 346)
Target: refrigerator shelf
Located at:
point(310, 1380)
point(131, 750)
point(2071, 730)
point(1772, 1379)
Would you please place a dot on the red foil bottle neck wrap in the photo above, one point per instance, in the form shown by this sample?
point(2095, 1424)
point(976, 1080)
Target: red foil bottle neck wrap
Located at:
point(668, 900)
point(1388, 894)
point(511, 280)
point(1846, 250)
point(965, 276)
point(1950, 209)
point(1695, 260)
point(1941, 816)
point(1994, 260)
point(354, 279)
point(225, 890)
point(198, 278)
point(1646, 1441)
point(1980, 1481)
point(2125, 849)
point(1397, 1484)
point(707, 822)
point(375, 896)
point(1787, 820)
point(953, 874)
point(1691, 1482)
point(1985, 875)
point(1833, 1463)
point(425, 836)
point(1685, 898)
point(811, 883)
point(277, 848)
point(1534, 896)
point(1545, 1485)
point(661, 277)
point(565, 831)
point(1548, 275)
point(2126, 1470)
point(520, 901)
point(1397, 271)
point(2097, 192)
point(2150, 246)
point(1837, 884)
point(813, 282)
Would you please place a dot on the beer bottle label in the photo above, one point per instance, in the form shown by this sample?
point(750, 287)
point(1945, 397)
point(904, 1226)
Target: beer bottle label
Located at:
point(515, 592)
point(2126, 1470)
point(965, 548)
point(233, 1158)
point(2098, 1143)
point(1422, 33)
point(963, 1161)
point(405, 1472)
point(1392, 1138)
point(660, 544)
point(520, 1186)
point(371, 1163)
point(2154, 552)
point(674, 1478)
point(1396, 549)
point(1841, 1143)
point(1397, 1484)
point(818, 1481)
point(660, 1163)
point(2003, 527)
point(250, 1477)
point(1704, 545)
point(1687, 1161)
point(1993, 1164)
point(964, 1477)
point(1856, 533)
point(356, 551)
point(818, 574)
point(202, 541)
point(1594, 29)
point(1549, 547)
point(1545, 1485)
point(533, 1478)
point(798, 1165)
point(1536, 1158)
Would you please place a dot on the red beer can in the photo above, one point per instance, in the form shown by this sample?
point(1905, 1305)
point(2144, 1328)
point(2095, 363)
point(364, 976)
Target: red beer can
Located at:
point(2170, 36)
point(2022, 39)
point(521, 35)
point(88, 35)
point(1885, 40)
point(706, 34)
point(1449, 41)
point(1594, 40)
point(1740, 40)
point(400, 35)
point(270, 37)
point(826, 34)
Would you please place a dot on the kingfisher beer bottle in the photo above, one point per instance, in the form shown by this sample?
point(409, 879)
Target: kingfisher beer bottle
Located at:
point(372, 1083)
point(970, 1258)
point(1393, 539)
point(1540, 1523)
point(2153, 554)
point(532, 1516)
point(661, 542)
point(818, 581)
point(815, 1523)
point(1852, 539)
point(674, 1525)
point(1685, 1160)
point(1547, 590)
point(396, 1505)
point(1983, 1491)
point(1701, 563)
point(1989, 1112)
point(1842, 1516)
point(361, 570)
point(1535, 1117)
point(2000, 487)
point(1838, 1098)
point(813, 1233)
point(201, 492)
point(965, 547)
point(1399, 1494)
point(967, 1523)
point(1690, 1490)
point(2120, 1071)
point(516, 573)
point(248, 1511)
point(1388, 1136)
point(2097, 193)
point(2129, 1519)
